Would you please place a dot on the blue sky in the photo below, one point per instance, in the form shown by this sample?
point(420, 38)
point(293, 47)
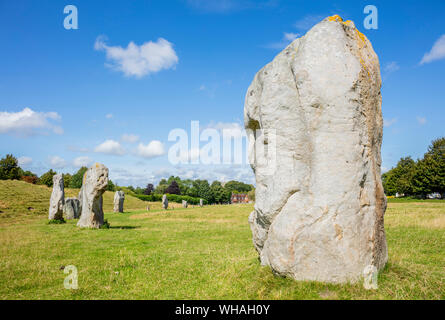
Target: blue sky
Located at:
point(89, 100)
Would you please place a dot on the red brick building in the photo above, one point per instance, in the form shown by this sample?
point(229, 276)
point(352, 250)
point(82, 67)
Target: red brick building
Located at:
point(239, 198)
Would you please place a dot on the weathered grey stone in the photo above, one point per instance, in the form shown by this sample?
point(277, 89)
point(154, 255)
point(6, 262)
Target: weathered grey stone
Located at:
point(319, 214)
point(201, 202)
point(184, 204)
point(119, 198)
point(57, 199)
point(94, 184)
point(164, 202)
point(71, 209)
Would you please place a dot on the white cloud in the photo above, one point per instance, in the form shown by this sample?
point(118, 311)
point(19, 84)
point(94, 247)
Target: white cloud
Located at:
point(129, 138)
point(233, 129)
point(82, 162)
point(308, 21)
point(24, 161)
point(391, 67)
point(288, 37)
point(202, 87)
point(139, 61)
point(28, 122)
point(154, 149)
point(389, 122)
point(109, 116)
point(57, 162)
point(437, 51)
point(421, 120)
point(110, 147)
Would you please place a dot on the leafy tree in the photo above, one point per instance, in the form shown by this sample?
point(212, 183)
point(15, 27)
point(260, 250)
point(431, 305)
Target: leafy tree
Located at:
point(47, 178)
point(66, 179)
point(149, 189)
point(219, 193)
point(173, 188)
point(77, 178)
point(237, 186)
point(399, 179)
point(201, 189)
point(111, 186)
point(162, 186)
point(9, 168)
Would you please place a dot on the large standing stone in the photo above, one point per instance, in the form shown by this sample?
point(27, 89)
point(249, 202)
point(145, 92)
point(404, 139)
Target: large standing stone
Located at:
point(164, 202)
point(319, 214)
point(201, 202)
point(57, 199)
point(119, 198)
point(71, 209)
point(184, 204)
point(94, 184)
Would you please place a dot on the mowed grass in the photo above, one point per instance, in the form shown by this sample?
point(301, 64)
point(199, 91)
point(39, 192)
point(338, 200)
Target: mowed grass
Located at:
point(200, 253)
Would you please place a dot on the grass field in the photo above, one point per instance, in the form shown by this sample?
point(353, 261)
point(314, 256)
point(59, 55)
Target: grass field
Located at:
point(194, 253)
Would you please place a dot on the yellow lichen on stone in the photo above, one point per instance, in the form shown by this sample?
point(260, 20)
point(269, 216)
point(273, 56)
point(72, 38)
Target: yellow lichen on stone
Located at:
point(336, 18)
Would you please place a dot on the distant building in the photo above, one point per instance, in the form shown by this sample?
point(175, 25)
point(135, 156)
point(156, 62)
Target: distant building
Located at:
point(239, 198)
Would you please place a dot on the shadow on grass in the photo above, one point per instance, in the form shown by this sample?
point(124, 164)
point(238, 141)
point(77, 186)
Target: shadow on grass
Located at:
point(124, 227)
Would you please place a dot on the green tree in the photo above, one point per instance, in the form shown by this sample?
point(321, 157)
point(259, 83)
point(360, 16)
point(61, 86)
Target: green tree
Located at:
point(399, 179)
point(9, 168)
point(237, 186)
point(66, 179)
point(47, 178)
point(77, 178)
point(219, 193)
point(111, 186)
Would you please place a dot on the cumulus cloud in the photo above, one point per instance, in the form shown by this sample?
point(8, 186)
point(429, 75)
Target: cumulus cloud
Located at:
point(437, 52)
point(389, 122)
point(421, 120)
point(391, 67)
point(110, 147)
point(57, 162)
point(24, 161)
point(138, 61)
point(28, 122)
point(82, 162)
point(109, 116)
point(154, 149)
point(129, 138)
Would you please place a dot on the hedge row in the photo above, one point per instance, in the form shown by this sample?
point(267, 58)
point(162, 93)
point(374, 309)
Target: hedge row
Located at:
point(171, 197)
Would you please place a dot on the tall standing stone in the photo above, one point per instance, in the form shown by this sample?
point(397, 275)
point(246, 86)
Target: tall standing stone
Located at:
point(201, 202)
point(71, 209)
point(164, 202)
point(184, 204)
point(57, 199)
point(119, 198)
point(94, 184)
point(319, 214)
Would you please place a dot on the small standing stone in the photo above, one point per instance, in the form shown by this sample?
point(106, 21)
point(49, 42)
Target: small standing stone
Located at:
point(184, 204)
point(71, 209)
point(148, 208)
point(201, 202)
point(164, 202)
point(57, 200)
point(119, 198)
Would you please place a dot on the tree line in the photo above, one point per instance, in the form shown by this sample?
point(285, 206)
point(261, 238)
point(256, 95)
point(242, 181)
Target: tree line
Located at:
point(216, 192)
point(421, 177)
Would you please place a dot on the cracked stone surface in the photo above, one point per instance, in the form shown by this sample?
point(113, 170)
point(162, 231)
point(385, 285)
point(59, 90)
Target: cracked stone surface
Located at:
point(94, 184)
point(319, 216)
point(71, 208)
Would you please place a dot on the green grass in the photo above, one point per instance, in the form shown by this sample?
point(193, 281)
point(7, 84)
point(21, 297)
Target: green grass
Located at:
point(201, 253)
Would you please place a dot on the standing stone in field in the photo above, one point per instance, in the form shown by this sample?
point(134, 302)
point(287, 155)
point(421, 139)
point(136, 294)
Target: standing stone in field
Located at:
point(320, 205)
point(201, 202)
point(95, 182)
point(164, 202)
point(184, 204)
point(57, 200)
point(119, 198)
point(71, 209)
